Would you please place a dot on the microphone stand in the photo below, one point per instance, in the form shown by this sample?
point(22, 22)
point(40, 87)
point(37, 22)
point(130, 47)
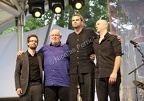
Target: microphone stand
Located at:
point(139, 50)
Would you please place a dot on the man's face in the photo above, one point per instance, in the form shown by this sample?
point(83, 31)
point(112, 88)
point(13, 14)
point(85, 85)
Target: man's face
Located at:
point(33, 43)
point(99, 26)
point(55, 37)
point(76, 22)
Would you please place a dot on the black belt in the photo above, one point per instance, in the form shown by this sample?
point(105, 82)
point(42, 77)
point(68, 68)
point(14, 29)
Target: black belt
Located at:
point(34, 83)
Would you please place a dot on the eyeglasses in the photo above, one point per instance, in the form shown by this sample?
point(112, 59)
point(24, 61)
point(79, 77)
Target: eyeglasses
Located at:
point(33, 41)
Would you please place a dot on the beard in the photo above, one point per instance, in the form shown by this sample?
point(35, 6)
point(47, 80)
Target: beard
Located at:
point(98, 31)
point(77, 27)
point(33, 46)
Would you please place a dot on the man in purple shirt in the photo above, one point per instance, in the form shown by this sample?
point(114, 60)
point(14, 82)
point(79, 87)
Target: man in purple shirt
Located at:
point(56, 65)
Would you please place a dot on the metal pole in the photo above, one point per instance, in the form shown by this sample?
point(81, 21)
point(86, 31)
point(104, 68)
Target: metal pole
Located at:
point(20, 31)
point(49, 28)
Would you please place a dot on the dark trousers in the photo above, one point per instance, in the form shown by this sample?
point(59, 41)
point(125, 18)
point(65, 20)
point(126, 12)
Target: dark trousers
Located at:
point(104, 89)
point(34, 93)
point(87, 87)
point(53, 93)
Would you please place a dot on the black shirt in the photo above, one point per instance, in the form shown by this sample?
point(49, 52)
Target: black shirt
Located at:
point(80, 46)
point(34, 70)
point(106, 52)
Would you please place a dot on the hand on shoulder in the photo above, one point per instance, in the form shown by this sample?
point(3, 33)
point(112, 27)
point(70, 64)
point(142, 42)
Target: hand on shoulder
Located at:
point(20, 53)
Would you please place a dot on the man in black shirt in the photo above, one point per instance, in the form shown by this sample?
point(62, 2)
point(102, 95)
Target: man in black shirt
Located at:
point(28, 72)
point(108, 53)
point(81, 69)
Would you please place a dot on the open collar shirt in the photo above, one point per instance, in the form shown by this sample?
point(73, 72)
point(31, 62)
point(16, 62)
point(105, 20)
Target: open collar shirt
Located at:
point(80, 46)
point(106, 52)
point(56, 65)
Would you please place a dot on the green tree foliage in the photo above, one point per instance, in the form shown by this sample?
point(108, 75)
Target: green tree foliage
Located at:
point(12, 29)
point(33, 23)
point(92, 11)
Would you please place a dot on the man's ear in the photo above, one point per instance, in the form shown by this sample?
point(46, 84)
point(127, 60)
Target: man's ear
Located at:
point(60, 36)
point(27, 44)
point(106, 26)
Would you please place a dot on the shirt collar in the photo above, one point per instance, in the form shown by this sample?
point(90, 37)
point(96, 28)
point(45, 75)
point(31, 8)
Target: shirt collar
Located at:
point(57, 46)
point(106, 35)
point(80, 32)
point(30, 54)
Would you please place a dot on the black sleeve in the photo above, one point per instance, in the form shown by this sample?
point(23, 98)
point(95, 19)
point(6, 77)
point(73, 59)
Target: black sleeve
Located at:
point(67, 41)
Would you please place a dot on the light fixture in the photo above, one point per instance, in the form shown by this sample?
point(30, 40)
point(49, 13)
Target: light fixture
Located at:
point(57, 6)
point(76, 4)
point(37, 13)
point(36, 8)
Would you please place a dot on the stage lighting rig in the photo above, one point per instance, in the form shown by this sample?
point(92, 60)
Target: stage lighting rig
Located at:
point(77, 4)
point(36, 8)
point(57, 6)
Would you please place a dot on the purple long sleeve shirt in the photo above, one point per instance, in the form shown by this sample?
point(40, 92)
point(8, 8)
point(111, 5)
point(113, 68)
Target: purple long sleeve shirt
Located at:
point(56, 65)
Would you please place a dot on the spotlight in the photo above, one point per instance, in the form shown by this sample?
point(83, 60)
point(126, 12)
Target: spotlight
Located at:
point(76, 4)
point(36, 8)
point(57, 6)
point(37, 13)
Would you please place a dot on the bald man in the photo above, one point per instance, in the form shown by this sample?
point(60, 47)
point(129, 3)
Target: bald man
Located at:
point(108, 53)
point(56, 65)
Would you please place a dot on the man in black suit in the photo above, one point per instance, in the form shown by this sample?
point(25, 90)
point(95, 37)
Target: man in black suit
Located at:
point(28, 72)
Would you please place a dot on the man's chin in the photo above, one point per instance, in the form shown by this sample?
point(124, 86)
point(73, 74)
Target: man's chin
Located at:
point(33, 48)
point(55, 43)
point(75, 27)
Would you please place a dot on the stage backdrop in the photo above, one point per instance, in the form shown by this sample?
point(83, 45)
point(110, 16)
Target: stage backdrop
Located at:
point(127, 20)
